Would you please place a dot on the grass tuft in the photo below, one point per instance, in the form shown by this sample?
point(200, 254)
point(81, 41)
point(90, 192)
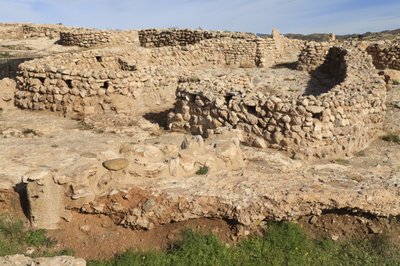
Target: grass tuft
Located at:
point(203, 170)
point(15, 238)
point(283, 244)
point(392, 137)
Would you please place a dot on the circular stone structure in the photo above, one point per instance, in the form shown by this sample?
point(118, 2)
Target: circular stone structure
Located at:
point(342, 118)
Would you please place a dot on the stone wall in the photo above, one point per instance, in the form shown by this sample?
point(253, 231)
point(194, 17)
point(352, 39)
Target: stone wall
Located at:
point(173, 37)
point(341, 121)
point(37, 30)
point(386, 54)
point(88, 82)
point(240, 48)
point(21, 30)
point(85, 38)
point(90, 38)
point(83, 83)
point(313, 55)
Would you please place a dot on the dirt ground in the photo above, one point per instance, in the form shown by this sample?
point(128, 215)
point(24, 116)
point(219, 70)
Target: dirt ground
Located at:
point(97, 237)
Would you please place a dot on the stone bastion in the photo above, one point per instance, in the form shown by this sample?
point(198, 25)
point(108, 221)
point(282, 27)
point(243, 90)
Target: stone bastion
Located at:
point(338, 120)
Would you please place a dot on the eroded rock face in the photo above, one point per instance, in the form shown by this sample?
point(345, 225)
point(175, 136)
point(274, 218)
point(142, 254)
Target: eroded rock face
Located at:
point(7, 89)
point(72, 178)
point(21, 260)
point(46, 199)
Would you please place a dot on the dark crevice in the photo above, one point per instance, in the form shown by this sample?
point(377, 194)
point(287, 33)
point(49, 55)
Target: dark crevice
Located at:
point(69, 83)
point(251, 110)
point(228, 98)
point(351, 212)
point(317, 116)
point(160, 118)
point(21, 189)
point(288, 65)
point(106, 85)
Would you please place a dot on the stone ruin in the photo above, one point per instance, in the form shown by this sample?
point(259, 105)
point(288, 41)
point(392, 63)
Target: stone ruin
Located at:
point(79, 84)
point(340, 120)
point(213, 81)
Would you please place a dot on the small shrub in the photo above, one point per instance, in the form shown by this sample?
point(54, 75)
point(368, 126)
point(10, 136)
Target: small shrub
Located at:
point(54, 146)
point(396, 82)
point(360, 154)
point(11, 236)
point(283, 244)
point(14, 237)
point(28, 131)
point(342, 161)
point(37, 238)
point(392, 137)
point(82, 125)
point(203, 170)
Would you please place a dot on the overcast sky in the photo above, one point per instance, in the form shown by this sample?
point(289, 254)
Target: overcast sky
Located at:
point(259, 16)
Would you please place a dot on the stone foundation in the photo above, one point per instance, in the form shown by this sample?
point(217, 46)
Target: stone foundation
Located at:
point(91, 38)
point(385, 54)
point(84, 83)
point(341, 121)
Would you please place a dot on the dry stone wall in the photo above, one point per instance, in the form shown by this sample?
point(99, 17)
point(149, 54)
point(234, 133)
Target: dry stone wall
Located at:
point(386, 54)
point(313, 55)
point(90, 38)
point(86, 83)
point(342, 121)
point(20, 31)
point(99, 81)
point(68, 35)
point(85, 38)
point(173, 37)
point(240, 48)
point(37, 30)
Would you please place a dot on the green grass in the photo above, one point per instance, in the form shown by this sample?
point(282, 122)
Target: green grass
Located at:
point(15, 238)
point(392, 137)
point(37, 238)
point(203, 170)
point(283, 244)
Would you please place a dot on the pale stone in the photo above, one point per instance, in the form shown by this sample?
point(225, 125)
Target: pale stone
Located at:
point(116, 164)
